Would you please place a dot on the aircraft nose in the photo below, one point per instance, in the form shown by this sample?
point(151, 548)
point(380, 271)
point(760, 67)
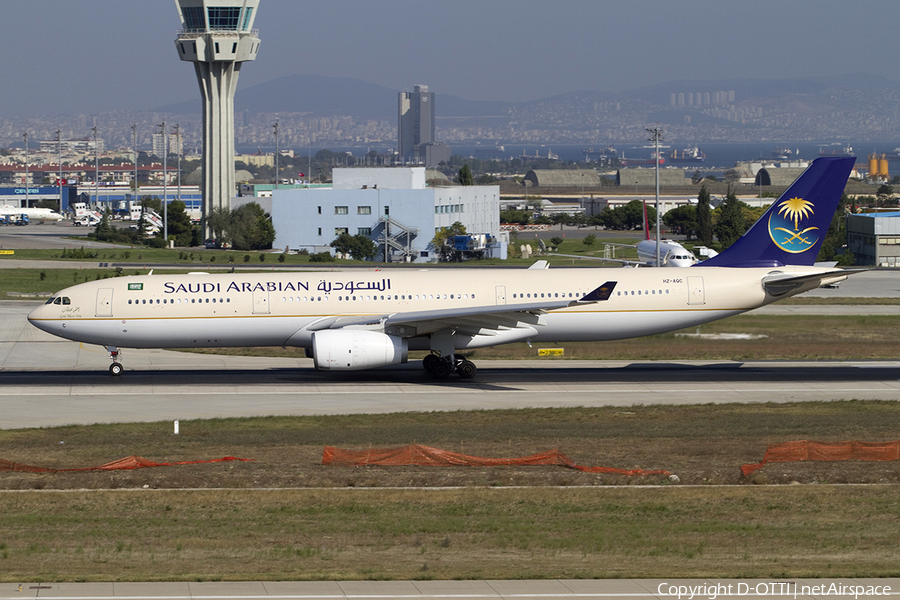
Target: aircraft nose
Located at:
point(37, 317)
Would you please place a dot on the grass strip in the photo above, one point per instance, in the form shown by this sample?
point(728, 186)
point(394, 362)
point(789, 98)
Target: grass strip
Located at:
point(284, 516)
point(742, 532)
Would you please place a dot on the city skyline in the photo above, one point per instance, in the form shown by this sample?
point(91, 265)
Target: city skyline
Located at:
point(95, 56)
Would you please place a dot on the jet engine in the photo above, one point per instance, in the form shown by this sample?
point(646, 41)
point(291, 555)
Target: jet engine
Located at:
point(356, 349)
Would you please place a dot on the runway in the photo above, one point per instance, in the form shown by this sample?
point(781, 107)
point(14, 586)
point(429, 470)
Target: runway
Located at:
point(45, 382)
point(615, 589)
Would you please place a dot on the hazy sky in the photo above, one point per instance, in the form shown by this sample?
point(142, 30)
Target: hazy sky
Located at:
point(88, 56)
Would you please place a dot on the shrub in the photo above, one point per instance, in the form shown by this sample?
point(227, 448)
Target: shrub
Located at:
point(321, 257)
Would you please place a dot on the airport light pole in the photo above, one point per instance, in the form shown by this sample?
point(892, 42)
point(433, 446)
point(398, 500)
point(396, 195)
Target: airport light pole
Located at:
point(25, 137)
point(165, 187)
point(655, 137)
point(178, 150)
point(134, 149)
point(275, 125)
point(59, 160)
point(96, 169)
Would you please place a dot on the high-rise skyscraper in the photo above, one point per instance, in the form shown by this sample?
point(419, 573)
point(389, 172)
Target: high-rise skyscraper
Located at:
point(217, 36)
point(416, 125)
point(415, 129)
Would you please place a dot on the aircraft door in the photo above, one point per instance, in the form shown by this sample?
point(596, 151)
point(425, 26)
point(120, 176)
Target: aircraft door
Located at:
point(104, 302)
point(696, 293)
point(501, 295)
point(260, 302)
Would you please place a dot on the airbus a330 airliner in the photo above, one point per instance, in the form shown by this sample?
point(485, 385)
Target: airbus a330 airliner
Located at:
point(352, 320)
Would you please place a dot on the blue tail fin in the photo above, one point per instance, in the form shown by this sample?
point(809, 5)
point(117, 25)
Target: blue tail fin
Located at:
point(793, 229)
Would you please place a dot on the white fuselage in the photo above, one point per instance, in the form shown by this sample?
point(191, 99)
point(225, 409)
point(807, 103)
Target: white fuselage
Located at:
point(34, 214)
point(671, 253)
point(283, 309)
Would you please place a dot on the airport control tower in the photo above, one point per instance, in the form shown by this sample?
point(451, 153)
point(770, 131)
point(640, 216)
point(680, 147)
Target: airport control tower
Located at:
point(217, 36)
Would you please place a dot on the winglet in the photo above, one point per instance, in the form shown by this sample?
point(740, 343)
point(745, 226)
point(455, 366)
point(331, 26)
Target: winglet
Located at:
point(601, 293)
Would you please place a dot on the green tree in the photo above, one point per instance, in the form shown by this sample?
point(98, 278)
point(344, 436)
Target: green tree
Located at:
point(219, 221)
point(441, 239)
point(731, 224)
point(589, 240)
point(521, 217)
point(104, 230)
point(179, 223)
point(682, 220)
point(556, 241)
point(465, 175)
point(152, 203)
point(704, 218)
point(885, 195)
point(359, 246)
point(251, 228)
point(835, 242)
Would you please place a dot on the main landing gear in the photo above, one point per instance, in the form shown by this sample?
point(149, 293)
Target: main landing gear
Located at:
point(441, 368)
point(116, 368)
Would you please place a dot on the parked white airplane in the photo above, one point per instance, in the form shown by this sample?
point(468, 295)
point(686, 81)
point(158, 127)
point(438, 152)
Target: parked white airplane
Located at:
point(352, 320)
point(34, 214)
point(671, 254)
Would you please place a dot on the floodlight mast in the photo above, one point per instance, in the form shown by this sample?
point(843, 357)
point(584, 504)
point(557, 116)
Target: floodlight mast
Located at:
point(217, 36)
point(655, 137)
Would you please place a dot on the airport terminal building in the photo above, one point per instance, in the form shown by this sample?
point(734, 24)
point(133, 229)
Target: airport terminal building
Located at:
point(393, 206)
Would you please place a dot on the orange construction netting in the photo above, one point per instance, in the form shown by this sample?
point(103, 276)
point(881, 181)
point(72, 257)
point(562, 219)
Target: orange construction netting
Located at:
point(823, 451)
point(129, 462)
point(418, 455)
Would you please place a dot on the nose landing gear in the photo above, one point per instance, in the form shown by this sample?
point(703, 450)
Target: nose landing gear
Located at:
point(116, 368)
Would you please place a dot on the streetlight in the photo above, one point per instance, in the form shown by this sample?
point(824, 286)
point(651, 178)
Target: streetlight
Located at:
point(96, 169)
point(135, 198)
point(178, 150)
point(275, 125)
point(165, 187)
point(25, 137)
point(655, 137)
point(59, 160)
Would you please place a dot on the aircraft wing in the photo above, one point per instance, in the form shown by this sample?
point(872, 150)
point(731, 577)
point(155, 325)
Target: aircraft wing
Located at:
point(467, 318)
point(624, 261)
point(782, 283)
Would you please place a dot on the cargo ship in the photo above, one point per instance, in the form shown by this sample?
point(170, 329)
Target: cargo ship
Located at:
point(686, 156)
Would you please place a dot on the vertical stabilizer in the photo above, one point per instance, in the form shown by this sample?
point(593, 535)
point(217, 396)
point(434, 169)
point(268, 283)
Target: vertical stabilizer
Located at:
point(793, 229)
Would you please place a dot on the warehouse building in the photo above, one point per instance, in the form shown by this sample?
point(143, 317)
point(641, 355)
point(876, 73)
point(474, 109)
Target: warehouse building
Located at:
point(875, 238)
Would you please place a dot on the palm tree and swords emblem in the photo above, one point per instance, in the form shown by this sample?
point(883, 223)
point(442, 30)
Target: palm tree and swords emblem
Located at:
point(792, 212)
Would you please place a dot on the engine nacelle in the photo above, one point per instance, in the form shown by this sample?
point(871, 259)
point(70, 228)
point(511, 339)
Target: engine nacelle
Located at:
point(356, 349)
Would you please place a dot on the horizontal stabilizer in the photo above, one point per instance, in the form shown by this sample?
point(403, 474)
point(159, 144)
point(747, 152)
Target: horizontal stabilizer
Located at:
point(783, 283)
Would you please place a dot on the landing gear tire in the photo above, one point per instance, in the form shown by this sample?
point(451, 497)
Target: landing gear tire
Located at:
point(441, 369)
point(466, 369)
point(430, 361)
point(116, 369)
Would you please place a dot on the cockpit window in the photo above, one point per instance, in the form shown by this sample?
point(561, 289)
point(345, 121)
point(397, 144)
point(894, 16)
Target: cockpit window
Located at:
point(49, 300)
point(66, 300)
point(57, 301)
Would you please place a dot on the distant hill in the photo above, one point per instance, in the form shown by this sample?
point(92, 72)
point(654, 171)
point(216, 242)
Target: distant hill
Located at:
point(333, 96)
